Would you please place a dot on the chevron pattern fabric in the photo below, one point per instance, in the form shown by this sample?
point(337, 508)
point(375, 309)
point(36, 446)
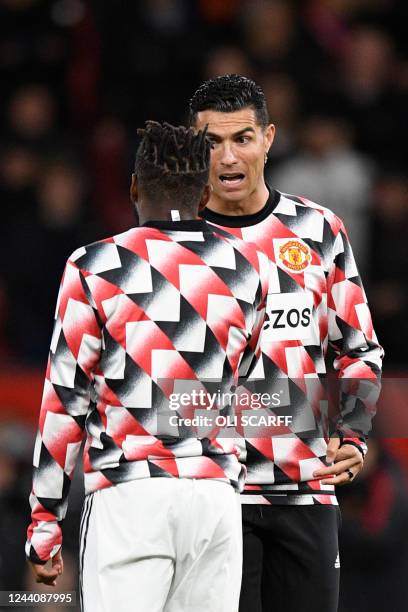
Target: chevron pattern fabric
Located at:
point(316, 299)
point(135, 314)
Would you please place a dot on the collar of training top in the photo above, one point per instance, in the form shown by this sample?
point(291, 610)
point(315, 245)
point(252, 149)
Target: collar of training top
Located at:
point(243, 220)
point(188, 225)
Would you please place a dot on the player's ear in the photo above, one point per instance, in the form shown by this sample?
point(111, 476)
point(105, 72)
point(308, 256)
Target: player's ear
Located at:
point(269, 135)
point(205, 197)
point(134, 191)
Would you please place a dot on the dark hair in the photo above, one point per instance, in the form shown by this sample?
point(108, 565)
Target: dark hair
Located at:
point(173, 162)
point(229, 93)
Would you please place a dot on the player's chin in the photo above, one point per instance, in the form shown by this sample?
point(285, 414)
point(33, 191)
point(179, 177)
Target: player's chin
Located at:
point(234, 195)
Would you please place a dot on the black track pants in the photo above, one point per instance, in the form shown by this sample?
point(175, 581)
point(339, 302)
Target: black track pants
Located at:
point(291, 559)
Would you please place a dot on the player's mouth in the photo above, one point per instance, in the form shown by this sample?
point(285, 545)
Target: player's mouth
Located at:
point(232, 180)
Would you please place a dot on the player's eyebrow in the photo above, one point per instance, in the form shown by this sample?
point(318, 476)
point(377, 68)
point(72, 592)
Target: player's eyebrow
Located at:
point(246, 129)
point(235, 135)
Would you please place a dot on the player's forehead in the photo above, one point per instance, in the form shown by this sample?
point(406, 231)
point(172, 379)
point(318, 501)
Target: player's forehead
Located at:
point(227, 124)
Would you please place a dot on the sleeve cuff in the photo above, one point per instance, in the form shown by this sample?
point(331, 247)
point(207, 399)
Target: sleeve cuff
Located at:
point(359, 443)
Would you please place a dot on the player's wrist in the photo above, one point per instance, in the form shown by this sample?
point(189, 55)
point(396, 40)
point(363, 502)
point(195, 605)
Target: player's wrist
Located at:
point(357, 441)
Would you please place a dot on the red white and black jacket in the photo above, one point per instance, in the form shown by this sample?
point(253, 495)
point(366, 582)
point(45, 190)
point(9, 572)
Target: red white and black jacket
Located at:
point(136, 312)
point(315, 299)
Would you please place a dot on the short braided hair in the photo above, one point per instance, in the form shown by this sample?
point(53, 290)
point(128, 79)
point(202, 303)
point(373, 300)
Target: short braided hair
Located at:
point(173, 162)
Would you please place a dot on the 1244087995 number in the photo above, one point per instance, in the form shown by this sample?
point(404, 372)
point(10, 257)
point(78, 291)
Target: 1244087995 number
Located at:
point(21, 598)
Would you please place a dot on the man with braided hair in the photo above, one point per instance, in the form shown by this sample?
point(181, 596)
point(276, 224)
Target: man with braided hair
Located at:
point(139, 315)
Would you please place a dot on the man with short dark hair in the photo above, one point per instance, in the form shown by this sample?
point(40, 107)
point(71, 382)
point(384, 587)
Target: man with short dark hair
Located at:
point(166, 306)
point(290, 512)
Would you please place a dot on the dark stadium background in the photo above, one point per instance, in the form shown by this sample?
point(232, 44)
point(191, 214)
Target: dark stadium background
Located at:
point(76, 80)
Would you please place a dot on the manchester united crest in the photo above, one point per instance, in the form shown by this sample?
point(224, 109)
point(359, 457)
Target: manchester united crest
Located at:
point(295, 255)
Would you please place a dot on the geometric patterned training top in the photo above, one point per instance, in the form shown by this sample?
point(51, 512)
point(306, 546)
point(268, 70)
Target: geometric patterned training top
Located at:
point(315, 299)
point(163, 302)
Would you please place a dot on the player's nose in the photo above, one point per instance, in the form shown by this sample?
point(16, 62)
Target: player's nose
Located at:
point(228, 156)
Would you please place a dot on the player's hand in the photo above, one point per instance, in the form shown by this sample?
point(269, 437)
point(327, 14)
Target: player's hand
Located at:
point(347, 463)
point(45, 573)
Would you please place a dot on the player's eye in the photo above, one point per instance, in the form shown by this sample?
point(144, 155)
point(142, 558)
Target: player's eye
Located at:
point(243, 139)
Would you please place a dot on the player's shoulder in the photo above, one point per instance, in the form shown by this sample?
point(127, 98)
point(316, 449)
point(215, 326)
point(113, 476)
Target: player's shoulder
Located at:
point(294, 203)
point(224, 236)
point(106, 248)
point(247, 249)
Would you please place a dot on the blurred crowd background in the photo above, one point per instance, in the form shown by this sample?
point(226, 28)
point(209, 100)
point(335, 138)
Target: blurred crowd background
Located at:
point(77, 78)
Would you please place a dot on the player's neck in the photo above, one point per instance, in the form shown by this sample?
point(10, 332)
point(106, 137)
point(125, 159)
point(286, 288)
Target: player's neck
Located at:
point(248, 206)
point(158, 214)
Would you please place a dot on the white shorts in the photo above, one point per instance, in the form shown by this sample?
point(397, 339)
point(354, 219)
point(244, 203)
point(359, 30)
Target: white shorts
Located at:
point(161, 545)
